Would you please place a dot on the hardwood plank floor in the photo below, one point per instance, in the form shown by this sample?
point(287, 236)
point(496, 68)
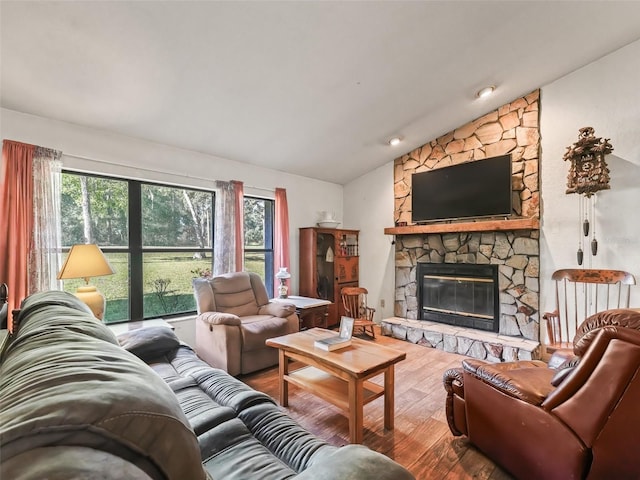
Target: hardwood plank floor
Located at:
point(421, 440)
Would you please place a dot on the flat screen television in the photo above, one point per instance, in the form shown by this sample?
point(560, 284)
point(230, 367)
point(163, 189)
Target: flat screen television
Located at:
point(481, 188)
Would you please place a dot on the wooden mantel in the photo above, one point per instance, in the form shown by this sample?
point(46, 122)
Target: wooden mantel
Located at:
point(480, 226)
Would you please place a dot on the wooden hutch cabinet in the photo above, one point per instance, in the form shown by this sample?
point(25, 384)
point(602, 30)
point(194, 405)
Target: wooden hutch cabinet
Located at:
point(328, 262)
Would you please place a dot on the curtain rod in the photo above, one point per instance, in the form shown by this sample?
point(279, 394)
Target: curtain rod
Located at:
point(117, 164)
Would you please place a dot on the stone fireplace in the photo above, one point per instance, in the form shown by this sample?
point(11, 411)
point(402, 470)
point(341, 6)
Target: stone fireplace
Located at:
point(502, 325)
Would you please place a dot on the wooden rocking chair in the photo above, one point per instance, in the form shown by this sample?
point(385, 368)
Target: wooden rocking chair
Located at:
point(579, 294)
point(354, 300)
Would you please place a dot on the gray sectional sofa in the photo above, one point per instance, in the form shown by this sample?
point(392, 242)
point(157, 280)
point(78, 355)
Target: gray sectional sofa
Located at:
point(77, 402)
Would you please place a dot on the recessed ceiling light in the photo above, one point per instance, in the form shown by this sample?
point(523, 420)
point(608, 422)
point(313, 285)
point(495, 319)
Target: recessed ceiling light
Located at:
point(395, 141)
point(485, 92)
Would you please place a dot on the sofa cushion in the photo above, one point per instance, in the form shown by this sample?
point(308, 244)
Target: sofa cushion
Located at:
point(233, 293)
point(202, 412)
point(44, 300)
point(221, 387)
point(62, 463)
point(230, 451)
point(354, 462)
point(228, 391)
point(527, 380)
point(62, 311)
point(256, 329)
point(283, 436)
point(63, 384)
point(150, 342)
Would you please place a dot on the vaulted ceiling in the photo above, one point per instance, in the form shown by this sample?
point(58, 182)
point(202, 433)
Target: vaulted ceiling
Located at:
point(314, 88)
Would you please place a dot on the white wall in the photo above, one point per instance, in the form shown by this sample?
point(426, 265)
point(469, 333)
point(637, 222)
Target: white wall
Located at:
point(133, 158)
point(604, 95)
point(369, 208)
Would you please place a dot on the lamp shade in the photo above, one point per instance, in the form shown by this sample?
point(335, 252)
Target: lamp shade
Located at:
point(85, 261)
point(282, 273)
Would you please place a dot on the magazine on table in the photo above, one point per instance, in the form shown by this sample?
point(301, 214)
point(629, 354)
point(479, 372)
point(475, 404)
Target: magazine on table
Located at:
point(343, 339)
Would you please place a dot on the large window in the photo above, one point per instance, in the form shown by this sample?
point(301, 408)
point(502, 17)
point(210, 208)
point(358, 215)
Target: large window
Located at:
point(156, 237)
point(258, 239)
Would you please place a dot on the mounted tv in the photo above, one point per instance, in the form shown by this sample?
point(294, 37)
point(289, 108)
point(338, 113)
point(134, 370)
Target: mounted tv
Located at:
point(481, 188)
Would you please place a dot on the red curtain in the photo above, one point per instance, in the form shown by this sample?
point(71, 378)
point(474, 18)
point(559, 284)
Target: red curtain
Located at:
point(281, 235)
point(238, 192)
point(16, 213)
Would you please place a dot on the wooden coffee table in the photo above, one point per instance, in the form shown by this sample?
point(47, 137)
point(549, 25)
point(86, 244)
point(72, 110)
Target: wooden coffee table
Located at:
point(339, 377)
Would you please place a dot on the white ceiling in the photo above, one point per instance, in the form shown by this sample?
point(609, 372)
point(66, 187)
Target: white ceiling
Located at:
point(314, 88)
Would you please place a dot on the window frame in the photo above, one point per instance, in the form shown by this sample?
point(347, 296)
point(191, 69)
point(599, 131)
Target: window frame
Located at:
point(268, 249)
point(135, 248)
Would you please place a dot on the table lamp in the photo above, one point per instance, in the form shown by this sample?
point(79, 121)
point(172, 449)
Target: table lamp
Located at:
point(282, 275)
point(86, 261)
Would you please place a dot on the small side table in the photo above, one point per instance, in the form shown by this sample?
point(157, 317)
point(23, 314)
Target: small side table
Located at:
point(313, 312)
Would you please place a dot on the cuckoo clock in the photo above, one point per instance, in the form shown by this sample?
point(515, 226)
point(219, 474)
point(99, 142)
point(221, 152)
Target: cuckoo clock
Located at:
point(588, 174)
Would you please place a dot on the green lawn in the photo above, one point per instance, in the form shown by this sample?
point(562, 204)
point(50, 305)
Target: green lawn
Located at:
point(167, 287)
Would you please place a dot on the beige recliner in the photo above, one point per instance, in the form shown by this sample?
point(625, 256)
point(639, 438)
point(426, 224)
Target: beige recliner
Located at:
point(234, 320)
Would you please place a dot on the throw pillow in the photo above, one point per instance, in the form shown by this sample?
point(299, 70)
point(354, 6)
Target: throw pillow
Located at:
point(150, 342)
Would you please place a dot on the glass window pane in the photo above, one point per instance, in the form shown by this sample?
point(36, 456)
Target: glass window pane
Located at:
point(176, 217)
point(94, 210)
point(254, 262)
point(114, 287)
point(167, 282)
point(258, 239)
point(254, 223)
point(262, 264)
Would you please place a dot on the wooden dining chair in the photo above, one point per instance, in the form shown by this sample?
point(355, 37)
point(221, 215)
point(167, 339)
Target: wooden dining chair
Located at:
point(354, 300)
point(580, 293)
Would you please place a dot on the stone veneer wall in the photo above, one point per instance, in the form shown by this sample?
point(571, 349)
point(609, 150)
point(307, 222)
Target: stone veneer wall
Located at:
point(512, 128)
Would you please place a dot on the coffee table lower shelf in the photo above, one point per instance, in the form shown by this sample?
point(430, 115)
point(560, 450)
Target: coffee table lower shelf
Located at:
point(330, 388)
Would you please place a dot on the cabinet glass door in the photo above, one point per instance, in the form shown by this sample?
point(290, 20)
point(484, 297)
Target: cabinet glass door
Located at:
point(326, 256)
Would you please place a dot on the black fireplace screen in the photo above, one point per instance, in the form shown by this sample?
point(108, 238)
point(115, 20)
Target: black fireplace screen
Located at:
point(460, 295)
point(463, 295)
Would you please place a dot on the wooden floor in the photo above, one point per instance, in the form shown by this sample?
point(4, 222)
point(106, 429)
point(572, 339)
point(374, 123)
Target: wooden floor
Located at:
point(421, 440)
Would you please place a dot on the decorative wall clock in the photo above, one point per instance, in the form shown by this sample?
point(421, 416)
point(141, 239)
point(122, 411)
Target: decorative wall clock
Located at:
point(588, 174)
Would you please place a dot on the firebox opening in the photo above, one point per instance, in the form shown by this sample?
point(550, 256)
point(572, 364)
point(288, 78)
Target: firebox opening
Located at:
point(459, 294)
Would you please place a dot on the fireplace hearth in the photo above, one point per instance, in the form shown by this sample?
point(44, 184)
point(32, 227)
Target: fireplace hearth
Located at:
point(459, 294)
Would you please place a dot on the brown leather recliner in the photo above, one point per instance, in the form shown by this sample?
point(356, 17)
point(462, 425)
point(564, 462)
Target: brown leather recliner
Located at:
point(235, 318)
point(579, 420)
